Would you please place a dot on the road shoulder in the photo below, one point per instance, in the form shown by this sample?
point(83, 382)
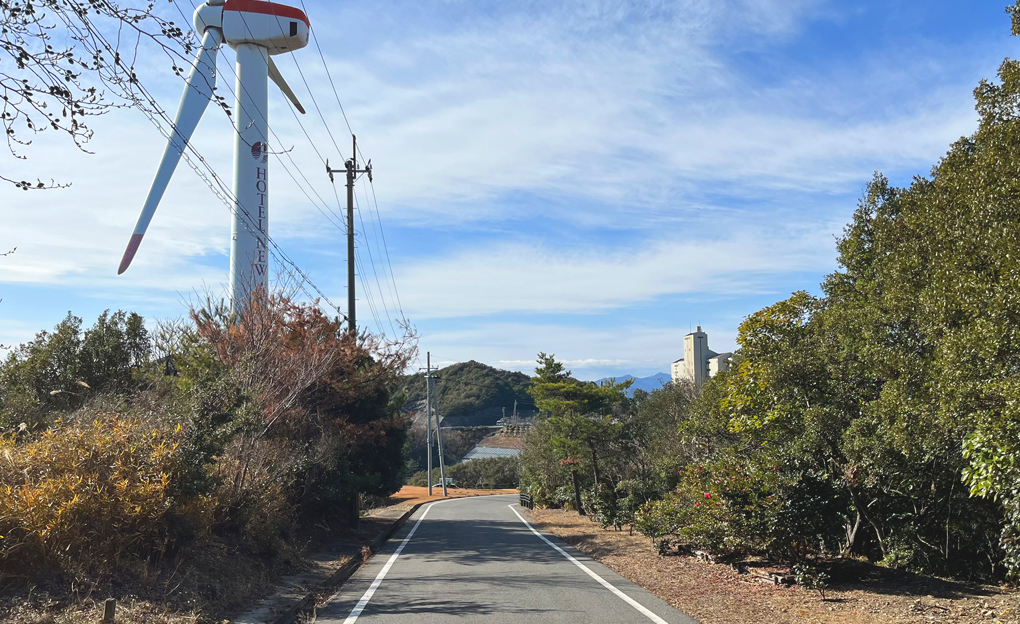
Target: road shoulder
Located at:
point(716, 594)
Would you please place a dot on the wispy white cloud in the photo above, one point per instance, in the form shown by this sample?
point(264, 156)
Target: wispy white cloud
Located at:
point(547, 279)
point(625, 111)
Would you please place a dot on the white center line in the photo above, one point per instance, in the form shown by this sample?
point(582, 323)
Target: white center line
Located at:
point(634, 603)
point(356, 612)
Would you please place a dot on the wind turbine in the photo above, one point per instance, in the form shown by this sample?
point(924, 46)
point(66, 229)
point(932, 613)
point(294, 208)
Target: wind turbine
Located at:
point(257, 30)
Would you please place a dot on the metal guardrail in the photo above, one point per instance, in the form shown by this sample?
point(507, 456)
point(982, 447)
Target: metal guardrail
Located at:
point(526, 501)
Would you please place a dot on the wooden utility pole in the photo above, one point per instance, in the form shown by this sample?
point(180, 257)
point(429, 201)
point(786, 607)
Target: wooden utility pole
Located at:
point(351, 168)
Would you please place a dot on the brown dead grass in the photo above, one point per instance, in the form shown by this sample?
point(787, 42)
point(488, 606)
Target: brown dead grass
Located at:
point(412, 495)
point(91, 612)
point(717, 594)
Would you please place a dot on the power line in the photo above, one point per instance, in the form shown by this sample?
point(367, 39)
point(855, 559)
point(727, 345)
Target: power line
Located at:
point(328, 75)
point(377, 224)
point(336, 94)
point(378, 282)
point(216, 183)
point(347, 121)
point(371, 260)
point(382, 235)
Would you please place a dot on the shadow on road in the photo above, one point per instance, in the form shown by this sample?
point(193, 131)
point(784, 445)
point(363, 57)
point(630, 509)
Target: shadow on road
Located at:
point(478, 543)
point(450, 607)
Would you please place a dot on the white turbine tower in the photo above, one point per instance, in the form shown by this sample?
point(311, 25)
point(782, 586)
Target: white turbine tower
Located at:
point(256, 29)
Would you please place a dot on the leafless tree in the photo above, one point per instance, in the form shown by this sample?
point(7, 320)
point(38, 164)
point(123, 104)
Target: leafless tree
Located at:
point(63, 61)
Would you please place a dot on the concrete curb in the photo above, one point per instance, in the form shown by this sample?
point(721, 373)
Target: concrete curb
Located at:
point(306, 602)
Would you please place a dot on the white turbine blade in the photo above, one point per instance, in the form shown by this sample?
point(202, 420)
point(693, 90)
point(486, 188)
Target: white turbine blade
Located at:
point(277, 77)
point(197, 94)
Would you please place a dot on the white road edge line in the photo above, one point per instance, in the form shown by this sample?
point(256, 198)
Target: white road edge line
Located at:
point(634, 603)
point(358, 608)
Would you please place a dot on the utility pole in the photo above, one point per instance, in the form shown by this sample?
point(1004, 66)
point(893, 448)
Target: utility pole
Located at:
point(431, 408)
point(428, 416)
point(352, 171)
point(439, 439)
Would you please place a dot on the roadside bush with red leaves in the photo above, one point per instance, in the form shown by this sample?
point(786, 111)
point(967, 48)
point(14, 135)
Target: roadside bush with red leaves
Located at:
point(319, 427)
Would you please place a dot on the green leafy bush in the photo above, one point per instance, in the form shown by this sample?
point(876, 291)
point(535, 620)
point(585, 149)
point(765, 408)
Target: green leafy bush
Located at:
point(810, 577)
point(725, 508)
point(484, 474)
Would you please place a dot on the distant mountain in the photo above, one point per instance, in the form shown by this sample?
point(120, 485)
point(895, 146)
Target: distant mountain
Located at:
point(472, 393)
point(652, 382)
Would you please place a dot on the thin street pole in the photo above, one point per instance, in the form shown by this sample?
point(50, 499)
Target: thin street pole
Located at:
point(439, 439)
point(352, 168)
point(428, 415)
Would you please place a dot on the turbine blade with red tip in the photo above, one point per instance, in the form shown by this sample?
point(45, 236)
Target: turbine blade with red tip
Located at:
point(197, 94)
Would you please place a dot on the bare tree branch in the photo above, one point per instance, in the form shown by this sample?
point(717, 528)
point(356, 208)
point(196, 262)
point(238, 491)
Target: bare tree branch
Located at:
point(49, 86)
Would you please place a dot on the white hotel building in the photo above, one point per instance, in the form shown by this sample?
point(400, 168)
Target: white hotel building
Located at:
point(699, 362)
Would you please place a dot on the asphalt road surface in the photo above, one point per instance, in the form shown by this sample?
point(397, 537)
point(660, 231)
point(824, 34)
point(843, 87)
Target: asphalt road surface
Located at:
point(476, 560)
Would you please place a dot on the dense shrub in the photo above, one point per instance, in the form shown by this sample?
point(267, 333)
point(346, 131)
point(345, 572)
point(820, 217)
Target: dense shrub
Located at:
point(483, 474)
point(602, 505)
point(726, 508)
point(59, 371)
point(542, 474)
point(242, 428)
point(622, 452)
point(487, 473)
point(84, 495)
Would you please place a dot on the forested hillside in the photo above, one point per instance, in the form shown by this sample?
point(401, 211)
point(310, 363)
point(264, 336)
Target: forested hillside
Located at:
point(472, 393)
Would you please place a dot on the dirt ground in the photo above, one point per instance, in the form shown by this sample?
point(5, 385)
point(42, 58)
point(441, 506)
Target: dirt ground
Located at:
point(859, 593)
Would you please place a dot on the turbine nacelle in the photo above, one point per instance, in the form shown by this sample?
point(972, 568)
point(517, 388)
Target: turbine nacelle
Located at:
point(277, 27)
point(252, 25)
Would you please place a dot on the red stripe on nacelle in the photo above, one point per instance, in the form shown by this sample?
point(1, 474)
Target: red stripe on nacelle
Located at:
point(266, 8)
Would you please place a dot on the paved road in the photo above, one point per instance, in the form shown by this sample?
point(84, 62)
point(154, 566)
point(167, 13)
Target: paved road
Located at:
point(475, 560)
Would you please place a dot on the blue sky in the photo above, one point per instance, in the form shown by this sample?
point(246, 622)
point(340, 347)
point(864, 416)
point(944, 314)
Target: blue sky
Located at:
point(589, 178)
